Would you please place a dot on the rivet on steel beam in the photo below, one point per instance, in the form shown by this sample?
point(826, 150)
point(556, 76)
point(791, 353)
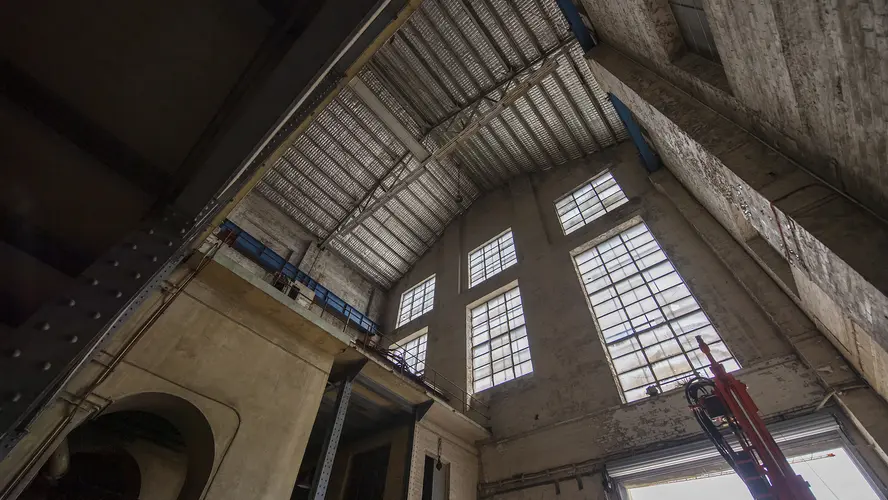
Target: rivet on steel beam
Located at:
point(134, 246)
point(44, 326)
point(16, 353)
point(166, 219)
point(96, 315)
point(151, 231)
point(16, 397)
point(137, 275)
point(94, 282)
point(169, 243)
point(72, 302)
point(115, 263)
point(118, 294)
point(153, 258)
point(73, 339)
point(47, 366)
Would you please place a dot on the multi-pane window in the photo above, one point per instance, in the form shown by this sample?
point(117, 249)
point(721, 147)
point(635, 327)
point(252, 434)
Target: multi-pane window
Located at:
point(417, 301)
point(413, 352)
point(647, 316)
point(491, 258)
point(694, 26)
point(500, 351)
point(589, 202)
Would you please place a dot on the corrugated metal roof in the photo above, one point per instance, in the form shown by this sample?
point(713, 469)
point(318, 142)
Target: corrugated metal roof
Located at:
point(380, 192)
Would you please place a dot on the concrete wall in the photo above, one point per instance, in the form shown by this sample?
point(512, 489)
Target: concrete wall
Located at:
point(821, 244)
point(569, 411)
point(272, 227)
point(252, 367)
point(807, 77)
point(572, 376)
point(461, 456)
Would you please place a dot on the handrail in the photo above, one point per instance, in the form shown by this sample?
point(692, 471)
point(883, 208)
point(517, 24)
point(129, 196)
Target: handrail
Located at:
point(272, 262)
point(369, 338)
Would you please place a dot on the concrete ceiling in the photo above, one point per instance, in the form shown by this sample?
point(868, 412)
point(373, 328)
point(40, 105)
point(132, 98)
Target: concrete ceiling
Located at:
point(466, 94)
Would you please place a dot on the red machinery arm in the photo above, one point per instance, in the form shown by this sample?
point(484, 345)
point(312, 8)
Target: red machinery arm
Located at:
point(760, 464)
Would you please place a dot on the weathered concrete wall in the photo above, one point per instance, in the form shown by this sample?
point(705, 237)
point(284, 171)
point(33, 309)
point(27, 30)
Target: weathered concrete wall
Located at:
point(754, 192)
point(807, 77)
point(251, 365)
point(267, 223)
point(462, 457)
point(572, 378)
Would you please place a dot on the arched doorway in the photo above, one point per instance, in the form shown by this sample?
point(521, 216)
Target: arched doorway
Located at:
point(150, 446)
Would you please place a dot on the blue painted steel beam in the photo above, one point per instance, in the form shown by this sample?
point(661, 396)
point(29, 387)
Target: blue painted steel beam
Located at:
point(649, 158)
point(272, 262)
point(569, 9)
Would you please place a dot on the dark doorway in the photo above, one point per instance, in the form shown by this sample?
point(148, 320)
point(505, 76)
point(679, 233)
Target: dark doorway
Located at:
point(92, 476)
point(435, 479)
point(367, 473)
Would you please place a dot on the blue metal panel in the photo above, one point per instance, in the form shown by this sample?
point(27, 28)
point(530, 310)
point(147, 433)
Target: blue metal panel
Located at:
point(576, 23)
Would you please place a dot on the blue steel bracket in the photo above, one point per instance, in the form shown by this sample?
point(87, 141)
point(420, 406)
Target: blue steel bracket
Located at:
point(649, 158)
point(572, 14)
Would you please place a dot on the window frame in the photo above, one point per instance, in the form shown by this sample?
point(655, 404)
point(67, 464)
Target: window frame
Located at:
point(695, 7)
point(401, 321)
point(485, 347)
point(599, 201)
point(513, 260)
point(421, 339)
point(632, 334)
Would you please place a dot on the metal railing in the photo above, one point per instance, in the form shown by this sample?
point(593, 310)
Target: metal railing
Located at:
point(368, 336)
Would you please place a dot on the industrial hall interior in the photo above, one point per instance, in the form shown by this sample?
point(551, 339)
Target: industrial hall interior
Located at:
point(444, 250)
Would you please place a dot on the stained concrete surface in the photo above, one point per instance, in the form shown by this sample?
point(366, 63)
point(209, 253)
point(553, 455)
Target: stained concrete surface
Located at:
point(807, 77)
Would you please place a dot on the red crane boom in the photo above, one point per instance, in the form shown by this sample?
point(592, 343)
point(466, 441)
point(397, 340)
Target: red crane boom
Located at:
point(723, 402)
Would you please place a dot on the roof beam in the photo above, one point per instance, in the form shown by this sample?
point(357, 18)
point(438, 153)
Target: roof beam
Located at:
point(388, 119)
point(511, 96)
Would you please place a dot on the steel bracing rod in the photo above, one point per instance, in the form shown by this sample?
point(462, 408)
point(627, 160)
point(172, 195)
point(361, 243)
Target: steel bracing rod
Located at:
point(510, 97)
point(331, 442)
point(366, 199)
